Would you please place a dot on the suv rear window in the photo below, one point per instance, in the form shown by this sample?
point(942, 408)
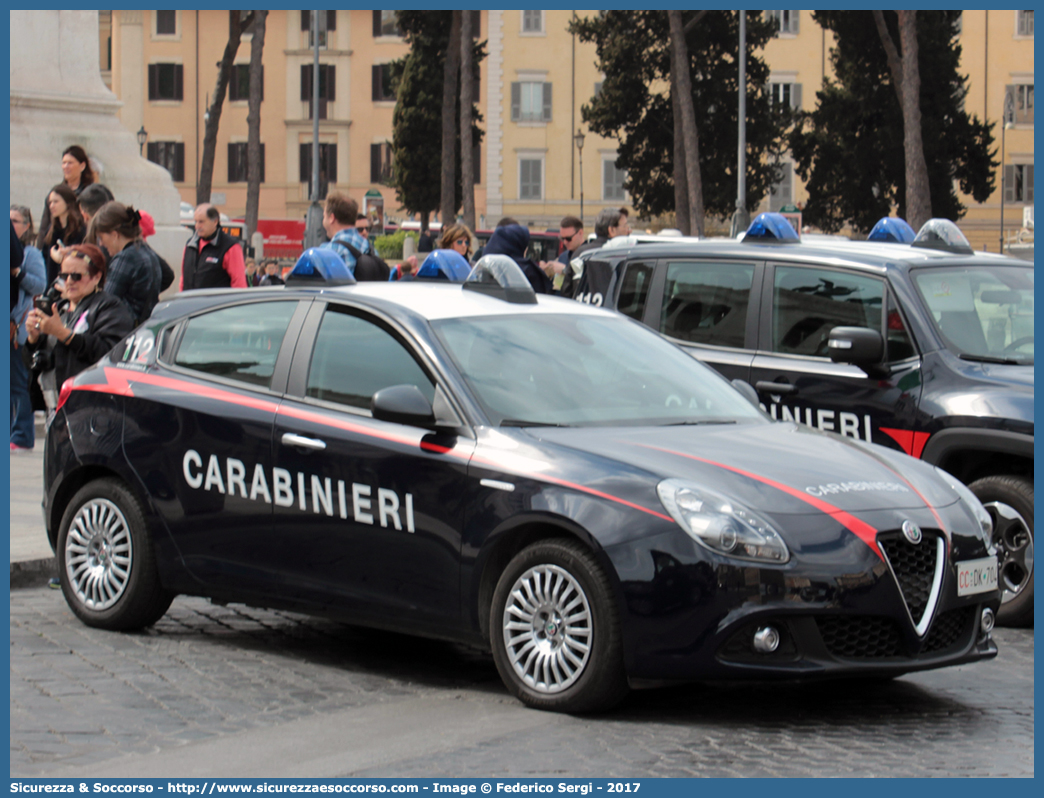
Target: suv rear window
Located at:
point(706, 302)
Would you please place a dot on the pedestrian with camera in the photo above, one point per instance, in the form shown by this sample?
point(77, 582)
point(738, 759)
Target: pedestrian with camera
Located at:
point(67, 334)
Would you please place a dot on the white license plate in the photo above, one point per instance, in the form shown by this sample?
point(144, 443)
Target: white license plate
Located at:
point(976, 576)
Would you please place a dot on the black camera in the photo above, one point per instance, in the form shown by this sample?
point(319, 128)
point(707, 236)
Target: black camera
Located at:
point(47, 298)
point(43, 360)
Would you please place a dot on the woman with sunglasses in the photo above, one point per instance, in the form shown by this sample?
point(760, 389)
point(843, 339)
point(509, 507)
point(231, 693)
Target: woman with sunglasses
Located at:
point(78, 330)
point(458, 238)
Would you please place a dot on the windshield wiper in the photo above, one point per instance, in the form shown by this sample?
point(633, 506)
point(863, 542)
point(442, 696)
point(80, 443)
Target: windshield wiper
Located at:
point(517, 422)
point(1011, 361)
point(692, 422)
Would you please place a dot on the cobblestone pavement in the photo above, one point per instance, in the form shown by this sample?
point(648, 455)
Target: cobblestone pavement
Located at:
point(209, 683)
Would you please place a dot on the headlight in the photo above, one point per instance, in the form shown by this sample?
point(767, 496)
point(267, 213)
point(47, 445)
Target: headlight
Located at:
point(720, 524)
point(985, 522)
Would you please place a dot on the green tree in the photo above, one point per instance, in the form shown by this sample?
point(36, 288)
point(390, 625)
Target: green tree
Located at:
point(850, 150)
point(635, 107)
point(417, 120)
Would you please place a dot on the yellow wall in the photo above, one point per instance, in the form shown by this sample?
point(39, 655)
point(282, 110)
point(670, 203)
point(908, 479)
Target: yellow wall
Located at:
point(993, 56)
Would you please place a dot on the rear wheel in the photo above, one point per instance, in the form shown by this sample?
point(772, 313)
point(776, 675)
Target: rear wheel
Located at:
point(106, 561)
point(1009, 501)
point(555, 631)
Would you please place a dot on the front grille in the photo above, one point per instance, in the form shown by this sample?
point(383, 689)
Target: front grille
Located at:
point(914, 568)
point(949, 628)
point(859, 636)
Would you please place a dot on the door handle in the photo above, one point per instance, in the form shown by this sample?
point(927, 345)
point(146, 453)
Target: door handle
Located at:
point(290, 439)
point(779, 388)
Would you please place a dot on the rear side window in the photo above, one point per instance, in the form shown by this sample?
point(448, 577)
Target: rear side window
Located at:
point(706, 302)
point(238, 343)
point(634, 290)
point(808, 303)
point(354, 358)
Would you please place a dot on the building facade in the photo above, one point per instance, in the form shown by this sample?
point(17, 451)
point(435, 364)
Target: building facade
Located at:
point(533, 83)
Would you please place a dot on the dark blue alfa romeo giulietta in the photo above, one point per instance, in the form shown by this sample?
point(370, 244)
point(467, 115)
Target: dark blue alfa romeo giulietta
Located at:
point(472, 462)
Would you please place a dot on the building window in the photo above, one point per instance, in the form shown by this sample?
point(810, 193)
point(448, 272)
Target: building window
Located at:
point(530, 178)
point(306, 26)
point(327, 87)
point(1024, 23)
point(786, 94)
point(167, 23)
point(237, 162)
point(530, 102)
point(327, 166)
point(598, 87)
point(386, 23)
point(1020, 96)
point(613, 181)
point(786, 20)
point(1018, 183)
point(533, 22)
point(782, 193)
point(381, 163)
point(382, 83)
point(165, 81)
point(170, 155)
point(239, 82)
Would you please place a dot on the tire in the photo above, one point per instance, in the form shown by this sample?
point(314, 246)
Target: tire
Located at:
point(555, 630)
point(1009, 501)
point(106, 561)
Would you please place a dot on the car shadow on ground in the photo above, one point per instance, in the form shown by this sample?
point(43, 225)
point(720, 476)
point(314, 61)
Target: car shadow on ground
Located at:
point(437, 663)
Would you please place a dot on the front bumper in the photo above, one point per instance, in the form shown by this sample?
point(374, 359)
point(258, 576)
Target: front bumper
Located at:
point(686, 616)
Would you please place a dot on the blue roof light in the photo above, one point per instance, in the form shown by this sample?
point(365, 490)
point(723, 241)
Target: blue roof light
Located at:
point(892, 229)
point(318, 266)
point(444, 264)
point(771, 227)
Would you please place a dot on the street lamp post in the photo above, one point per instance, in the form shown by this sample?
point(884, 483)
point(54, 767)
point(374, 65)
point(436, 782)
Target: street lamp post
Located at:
point(143, 136)
point(579, 139)
point(1006, 120)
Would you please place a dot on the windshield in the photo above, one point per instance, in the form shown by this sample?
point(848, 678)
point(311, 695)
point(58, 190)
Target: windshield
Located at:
point(579, 370)
point(984, 313)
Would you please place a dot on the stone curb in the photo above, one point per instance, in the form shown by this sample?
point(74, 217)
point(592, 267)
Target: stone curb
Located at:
point(32, 573)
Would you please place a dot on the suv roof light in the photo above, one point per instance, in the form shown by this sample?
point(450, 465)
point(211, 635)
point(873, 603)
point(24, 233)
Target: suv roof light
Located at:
point(500, 276)
point(944, 235)
point(892, 229)
point(320, 267)
point(771, 227)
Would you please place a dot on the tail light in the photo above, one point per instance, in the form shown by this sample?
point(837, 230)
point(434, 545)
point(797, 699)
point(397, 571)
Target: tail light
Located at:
point(67, 387)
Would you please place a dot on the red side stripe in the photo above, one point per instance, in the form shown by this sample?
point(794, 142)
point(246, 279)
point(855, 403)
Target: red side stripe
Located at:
point(860, 529)
point(119, 383)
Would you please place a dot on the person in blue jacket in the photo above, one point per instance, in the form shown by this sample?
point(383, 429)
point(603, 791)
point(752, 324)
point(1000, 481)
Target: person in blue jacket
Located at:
point(28, 279)
point(513, 240)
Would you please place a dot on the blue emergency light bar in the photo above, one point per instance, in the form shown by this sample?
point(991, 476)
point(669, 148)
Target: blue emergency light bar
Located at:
point(771, 227)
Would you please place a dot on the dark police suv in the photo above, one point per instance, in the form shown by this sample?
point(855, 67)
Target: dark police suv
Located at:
point(476, 463)
point(926, 348)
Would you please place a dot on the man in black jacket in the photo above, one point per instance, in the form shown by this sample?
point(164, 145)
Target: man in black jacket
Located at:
point(212, 259)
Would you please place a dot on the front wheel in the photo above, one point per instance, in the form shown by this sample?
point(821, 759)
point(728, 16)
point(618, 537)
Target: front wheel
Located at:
point(555, 630)
point(106, 561)
point(1009, 501)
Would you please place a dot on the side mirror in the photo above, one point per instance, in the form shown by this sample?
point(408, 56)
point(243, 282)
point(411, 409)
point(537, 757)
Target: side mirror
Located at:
point(859, 346)
point(403, 404)
point(748, 392)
